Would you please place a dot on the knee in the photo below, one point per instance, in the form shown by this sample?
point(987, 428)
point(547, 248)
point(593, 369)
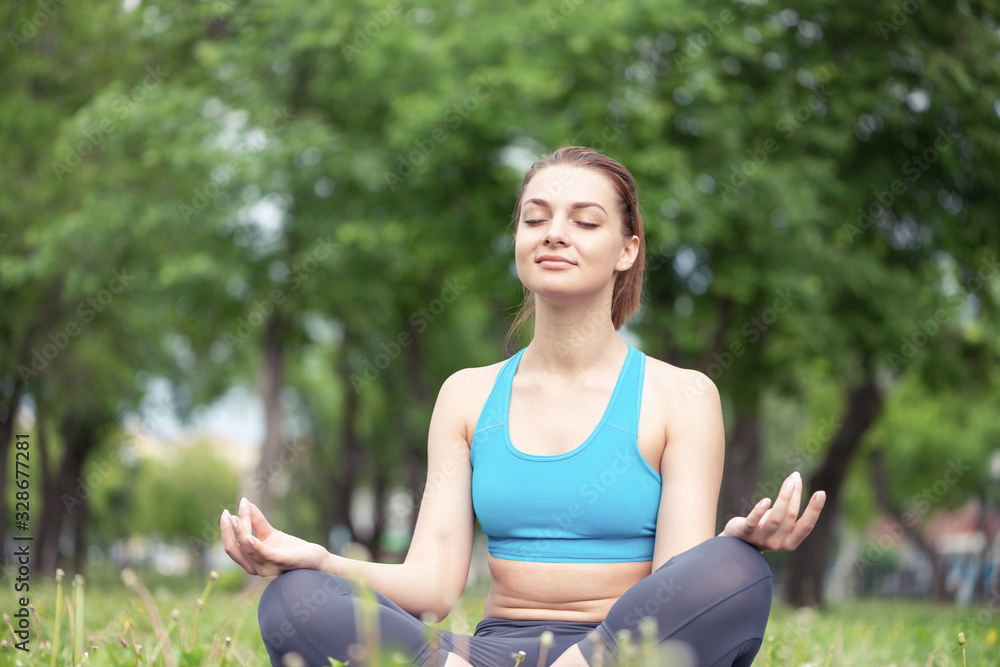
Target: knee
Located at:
point(737, 554)
point(294, 599)
point(720, 565)
point(747, 576)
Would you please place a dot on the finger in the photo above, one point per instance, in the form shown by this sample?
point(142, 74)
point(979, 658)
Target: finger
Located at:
point(808, 520)
point(237, 552)
point(781, 503)
point(232, 545)
point(259, 523)
point(757, 514)
point(795, 501)
point(243, 527)
point(269, 558)
point(244, 532)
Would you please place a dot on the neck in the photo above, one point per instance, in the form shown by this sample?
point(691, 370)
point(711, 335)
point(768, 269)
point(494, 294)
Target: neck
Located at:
point(574, 338)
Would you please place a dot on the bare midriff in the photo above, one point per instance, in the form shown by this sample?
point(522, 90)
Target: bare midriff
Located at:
point(579, 592)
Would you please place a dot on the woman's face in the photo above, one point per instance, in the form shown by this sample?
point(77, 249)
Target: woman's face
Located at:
point(568, 240)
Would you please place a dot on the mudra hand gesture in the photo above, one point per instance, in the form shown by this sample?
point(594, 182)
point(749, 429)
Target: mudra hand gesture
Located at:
point(778, 527)
point(270, 552)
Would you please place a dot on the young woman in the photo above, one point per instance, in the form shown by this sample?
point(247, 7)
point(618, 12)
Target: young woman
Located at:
point(593, 470)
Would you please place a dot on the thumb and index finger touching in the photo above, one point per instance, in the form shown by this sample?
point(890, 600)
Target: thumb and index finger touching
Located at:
point(238, 529)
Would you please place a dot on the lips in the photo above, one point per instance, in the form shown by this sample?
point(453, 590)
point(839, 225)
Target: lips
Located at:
point(553, 258)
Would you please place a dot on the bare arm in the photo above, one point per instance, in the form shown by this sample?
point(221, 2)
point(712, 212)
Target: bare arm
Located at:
point(436, 567)
point(691, 465)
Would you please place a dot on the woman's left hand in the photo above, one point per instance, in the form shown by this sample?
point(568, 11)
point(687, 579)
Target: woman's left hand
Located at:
point(778, 528)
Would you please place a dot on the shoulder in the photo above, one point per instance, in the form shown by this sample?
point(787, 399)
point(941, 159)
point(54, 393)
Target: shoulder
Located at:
point(464, 393)
point(683, 396)
point(475, 380)
point(684, 388)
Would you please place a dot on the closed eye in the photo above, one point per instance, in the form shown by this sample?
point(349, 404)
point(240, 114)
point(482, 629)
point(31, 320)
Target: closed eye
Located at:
point(588, 225)
point(532, 222)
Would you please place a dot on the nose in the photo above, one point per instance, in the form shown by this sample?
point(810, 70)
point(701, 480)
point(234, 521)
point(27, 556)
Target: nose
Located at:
point(556, 231)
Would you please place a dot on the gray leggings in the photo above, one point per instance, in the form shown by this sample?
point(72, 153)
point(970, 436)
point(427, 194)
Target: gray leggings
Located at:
point(711, 602)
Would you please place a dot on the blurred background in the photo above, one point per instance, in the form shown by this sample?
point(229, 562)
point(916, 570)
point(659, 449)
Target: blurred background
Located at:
point(243, 242)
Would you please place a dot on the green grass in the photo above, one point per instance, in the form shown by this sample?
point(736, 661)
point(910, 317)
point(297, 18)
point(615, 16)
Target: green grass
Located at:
point(120, 630)
point(883, 633)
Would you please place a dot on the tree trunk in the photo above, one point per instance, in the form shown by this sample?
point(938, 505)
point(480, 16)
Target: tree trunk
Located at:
point(271, 381)
point(415, 452)
point(68, 498)
point(53, 510)
point(740, 474)
point(380, 496)
point(880, 481)
point(80, 539)
point(807, 566)
point(8, 413)
point(718, 344)
point(979, 590)
point(345, 476)
point(52, 507)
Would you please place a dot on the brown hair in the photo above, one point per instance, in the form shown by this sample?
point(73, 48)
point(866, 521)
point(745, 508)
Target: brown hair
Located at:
point(628, 284)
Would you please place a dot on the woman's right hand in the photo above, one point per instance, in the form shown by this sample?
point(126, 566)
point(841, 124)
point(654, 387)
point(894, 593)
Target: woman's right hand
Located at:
point(270, 552)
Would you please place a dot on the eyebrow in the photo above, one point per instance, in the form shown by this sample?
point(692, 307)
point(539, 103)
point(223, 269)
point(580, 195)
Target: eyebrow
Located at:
point(575, 205)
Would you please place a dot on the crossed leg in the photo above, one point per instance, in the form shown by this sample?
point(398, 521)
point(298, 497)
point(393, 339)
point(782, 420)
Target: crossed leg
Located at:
point(715, 598)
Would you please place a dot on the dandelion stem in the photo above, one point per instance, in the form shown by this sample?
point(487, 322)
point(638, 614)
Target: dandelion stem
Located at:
point(78, 603)
point(131, 579)
point(38, 621)
point(199, 603)
point(175, 616)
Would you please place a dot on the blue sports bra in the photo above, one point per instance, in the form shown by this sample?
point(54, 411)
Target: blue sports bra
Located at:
point(594, 504)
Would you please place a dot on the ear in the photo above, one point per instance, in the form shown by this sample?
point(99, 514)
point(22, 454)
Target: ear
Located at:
point(630, 251)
